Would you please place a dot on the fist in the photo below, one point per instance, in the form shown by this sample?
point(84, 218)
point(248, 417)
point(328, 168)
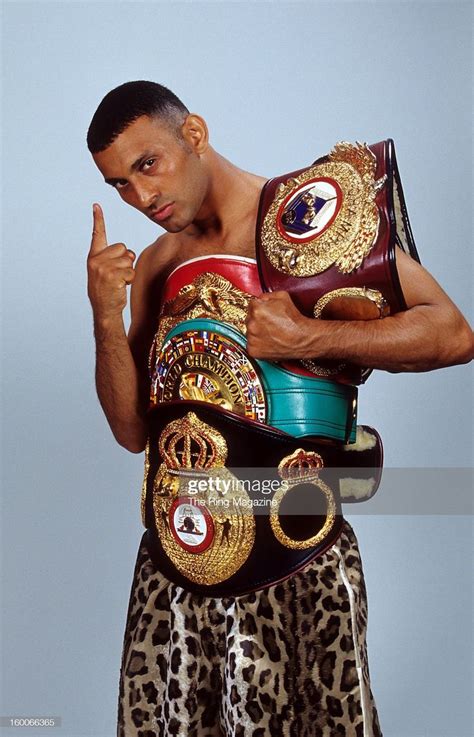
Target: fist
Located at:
point(109, 269)
point(276, 329)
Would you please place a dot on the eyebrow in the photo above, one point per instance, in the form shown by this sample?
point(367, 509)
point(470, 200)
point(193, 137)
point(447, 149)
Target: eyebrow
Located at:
point(136, 165)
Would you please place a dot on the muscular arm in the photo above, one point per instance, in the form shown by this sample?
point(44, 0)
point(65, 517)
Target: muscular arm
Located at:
point(119, 385)
point(121, 361)
point(144, 308)
point(430, 334)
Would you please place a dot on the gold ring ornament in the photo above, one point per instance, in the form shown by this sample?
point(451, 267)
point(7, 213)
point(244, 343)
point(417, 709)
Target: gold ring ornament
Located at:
point(300, 475)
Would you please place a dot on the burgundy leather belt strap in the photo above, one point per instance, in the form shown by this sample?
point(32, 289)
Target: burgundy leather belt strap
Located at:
point(330, 230)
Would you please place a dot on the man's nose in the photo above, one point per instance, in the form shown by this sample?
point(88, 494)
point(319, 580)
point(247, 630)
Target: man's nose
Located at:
point(146, 194)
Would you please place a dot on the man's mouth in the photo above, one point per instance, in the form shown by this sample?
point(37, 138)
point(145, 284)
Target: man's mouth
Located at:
point(164, 212)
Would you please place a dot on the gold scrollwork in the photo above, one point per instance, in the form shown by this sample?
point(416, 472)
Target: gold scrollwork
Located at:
point(354, 231)
point(193, 451)
point(367, 304)
point(189, 443)
point(217, 393)
point(145, 481)
point(209, 296)
point(302, 467)
point(319, 370)
point(373, 297)
point(302, 464)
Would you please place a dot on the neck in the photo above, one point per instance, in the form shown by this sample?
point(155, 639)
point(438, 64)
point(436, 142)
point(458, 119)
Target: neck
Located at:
point(231, 196)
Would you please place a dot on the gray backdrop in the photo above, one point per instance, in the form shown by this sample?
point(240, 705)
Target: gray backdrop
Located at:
point(279, 84)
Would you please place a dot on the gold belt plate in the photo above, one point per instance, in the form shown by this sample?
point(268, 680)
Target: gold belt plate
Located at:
point(208, 534)
point(325, 216)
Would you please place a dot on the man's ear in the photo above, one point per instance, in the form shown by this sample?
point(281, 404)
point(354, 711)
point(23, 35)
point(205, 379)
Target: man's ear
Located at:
point(195, 132)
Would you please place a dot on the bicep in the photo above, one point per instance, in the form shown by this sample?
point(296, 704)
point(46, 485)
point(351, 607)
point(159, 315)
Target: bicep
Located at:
point(418, 286)
point(444, 324)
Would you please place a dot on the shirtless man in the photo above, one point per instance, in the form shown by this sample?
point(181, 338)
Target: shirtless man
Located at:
point(157, 155)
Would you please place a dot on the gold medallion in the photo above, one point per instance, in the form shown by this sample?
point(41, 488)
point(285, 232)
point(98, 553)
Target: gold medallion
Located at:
point(201, 511)
point(325, 216)
point(206, 365)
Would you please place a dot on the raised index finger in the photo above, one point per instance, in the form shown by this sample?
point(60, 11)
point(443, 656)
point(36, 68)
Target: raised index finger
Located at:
point(99, 236)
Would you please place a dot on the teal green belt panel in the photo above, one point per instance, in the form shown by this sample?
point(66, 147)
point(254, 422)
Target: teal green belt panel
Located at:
point(296, 404)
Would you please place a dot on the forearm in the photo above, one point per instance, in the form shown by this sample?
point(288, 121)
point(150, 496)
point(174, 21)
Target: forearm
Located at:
point(432, 333)
point(420, 339)
point(118, 385)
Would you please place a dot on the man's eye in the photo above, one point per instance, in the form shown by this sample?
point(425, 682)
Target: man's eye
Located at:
point(120, 185)
point(148, 164)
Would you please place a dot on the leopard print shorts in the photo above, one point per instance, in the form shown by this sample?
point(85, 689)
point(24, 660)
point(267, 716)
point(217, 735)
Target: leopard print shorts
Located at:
point(287, 661)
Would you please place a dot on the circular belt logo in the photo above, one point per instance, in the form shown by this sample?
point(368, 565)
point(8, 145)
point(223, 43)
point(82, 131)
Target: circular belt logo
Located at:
point(191, 524)
point(205, 366)
point(309, 210)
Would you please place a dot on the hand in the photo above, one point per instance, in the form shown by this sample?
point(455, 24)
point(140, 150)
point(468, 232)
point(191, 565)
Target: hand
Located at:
point(109, 268)
point(276, 329)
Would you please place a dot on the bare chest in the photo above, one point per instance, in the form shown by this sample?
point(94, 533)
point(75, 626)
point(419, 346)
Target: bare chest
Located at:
point(239, 244)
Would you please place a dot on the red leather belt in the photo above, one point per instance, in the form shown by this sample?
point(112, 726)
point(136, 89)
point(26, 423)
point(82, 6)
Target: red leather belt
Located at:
point(242, 272)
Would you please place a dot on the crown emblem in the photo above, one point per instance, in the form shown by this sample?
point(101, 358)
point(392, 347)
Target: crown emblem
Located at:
point(302, 465)
point(192, 444)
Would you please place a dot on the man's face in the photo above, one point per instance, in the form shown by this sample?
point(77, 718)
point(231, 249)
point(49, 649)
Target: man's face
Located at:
point(155, 172)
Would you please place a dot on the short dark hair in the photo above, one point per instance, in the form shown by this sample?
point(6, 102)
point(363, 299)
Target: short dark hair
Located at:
point(124, 104)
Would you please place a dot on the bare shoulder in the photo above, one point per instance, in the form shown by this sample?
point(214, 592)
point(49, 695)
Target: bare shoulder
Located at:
point(151, 269)
point(155, 257)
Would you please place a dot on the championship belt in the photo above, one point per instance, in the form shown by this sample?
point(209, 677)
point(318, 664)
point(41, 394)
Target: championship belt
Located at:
point(327, 235)
point(205, 360)
point(231, 505)
point(221, 421)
